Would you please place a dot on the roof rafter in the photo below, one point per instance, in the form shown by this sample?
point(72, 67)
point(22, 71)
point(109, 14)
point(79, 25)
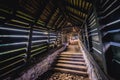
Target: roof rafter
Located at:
point(75, 7)
point(62, 25)
point(62, 22)
point(77, 18)
point(50, 16)
point(73, 19)
point(55, 24)
point(70, 12)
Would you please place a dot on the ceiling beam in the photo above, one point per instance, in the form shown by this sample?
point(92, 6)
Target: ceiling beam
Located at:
point(77, 18)
point(40, 12)
point(70, 12)
point(60, 28)
point(50, 16)
point(61, 5)
point(62, 22)
point(70, 27)
point(74, 21)
point(76, 7)
point(53, 23)
point(56, 23)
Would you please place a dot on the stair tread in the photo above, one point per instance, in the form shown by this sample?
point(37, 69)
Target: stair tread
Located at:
point(73, 71)
point(71, 66)
point(72, 54)
point(71, 58)
point(72, 62)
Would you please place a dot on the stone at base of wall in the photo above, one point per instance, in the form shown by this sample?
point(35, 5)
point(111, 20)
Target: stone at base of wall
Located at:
point(40, 68)
point(92, 75)
point(94, 71)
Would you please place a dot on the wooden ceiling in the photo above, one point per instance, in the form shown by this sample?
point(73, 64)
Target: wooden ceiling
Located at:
point(52, 14)
point(77, 10)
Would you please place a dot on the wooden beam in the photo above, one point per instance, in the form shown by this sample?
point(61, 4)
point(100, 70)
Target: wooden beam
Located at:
point(75, 14)
point(54, 21)
point(50, 16)
point(62, 22)
point(77, 18)
point(74, 20)
point(55, 24)
point(76, 7)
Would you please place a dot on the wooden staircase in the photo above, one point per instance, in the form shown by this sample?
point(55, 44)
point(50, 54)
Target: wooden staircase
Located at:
point(71, 63)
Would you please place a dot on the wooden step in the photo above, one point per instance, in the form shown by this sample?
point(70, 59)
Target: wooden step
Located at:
point(78, 54)
point(71, 62)
point(72, 71)
point(71, 56)
point(74, 59)
point(71, 66)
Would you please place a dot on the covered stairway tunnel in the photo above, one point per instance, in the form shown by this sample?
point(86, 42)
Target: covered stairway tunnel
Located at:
point(73, 39)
